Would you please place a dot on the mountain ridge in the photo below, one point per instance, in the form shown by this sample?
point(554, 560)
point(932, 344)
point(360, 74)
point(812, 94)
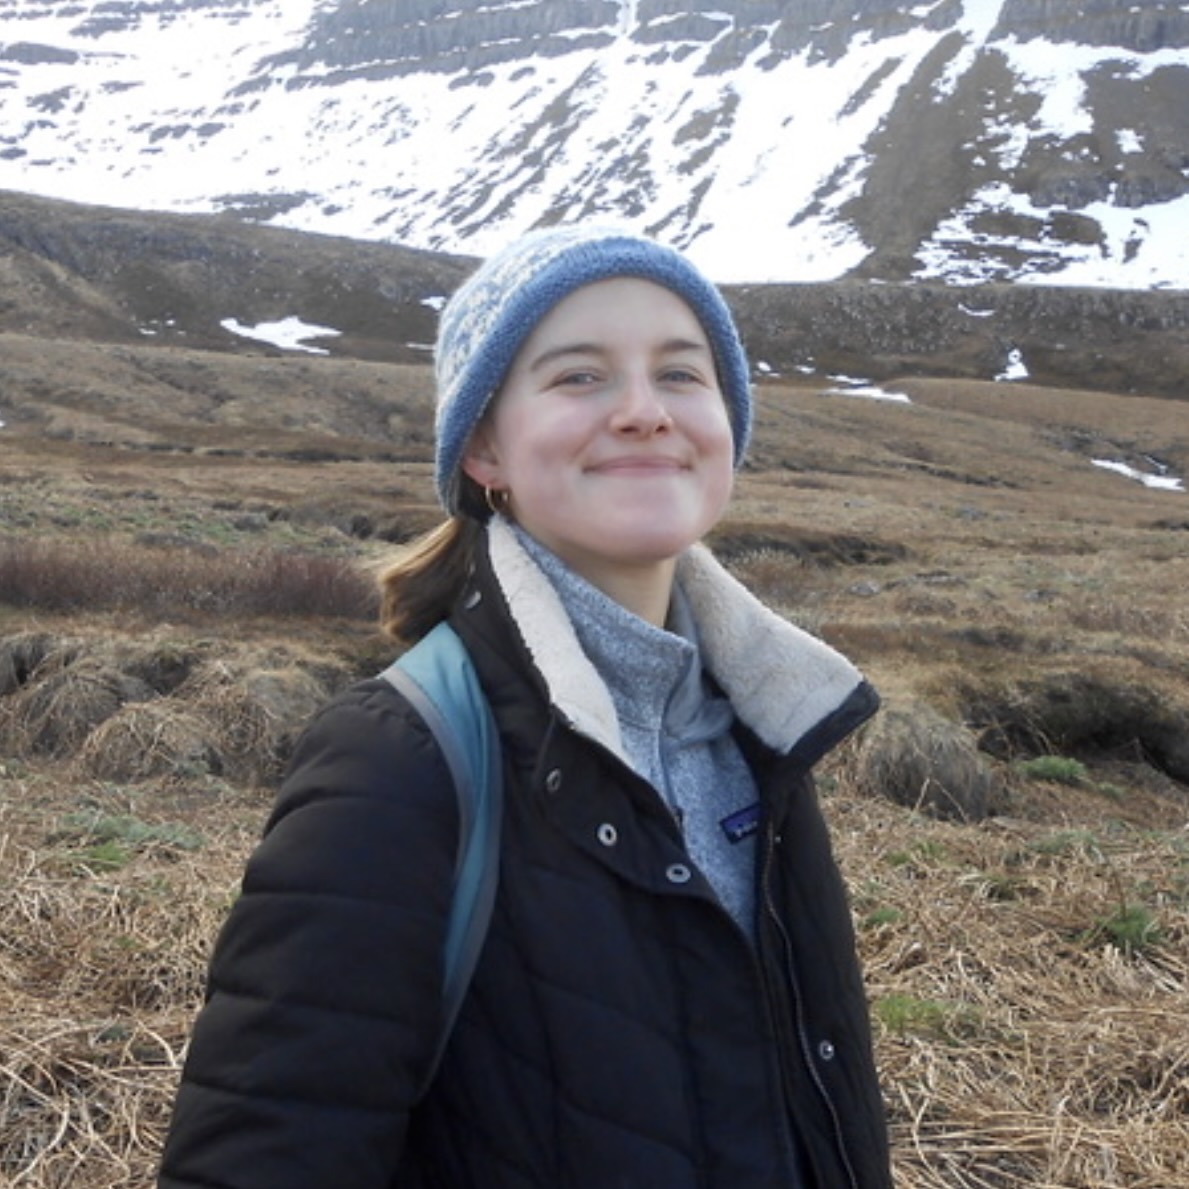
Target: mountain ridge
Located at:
point(965, 141)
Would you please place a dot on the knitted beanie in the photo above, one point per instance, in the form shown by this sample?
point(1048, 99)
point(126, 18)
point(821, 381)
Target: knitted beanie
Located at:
point(489, 317)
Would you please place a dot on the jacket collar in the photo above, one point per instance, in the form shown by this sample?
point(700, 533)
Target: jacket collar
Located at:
point(789, 688)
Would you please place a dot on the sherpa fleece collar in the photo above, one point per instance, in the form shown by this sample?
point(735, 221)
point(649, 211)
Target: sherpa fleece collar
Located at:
point(782, 682)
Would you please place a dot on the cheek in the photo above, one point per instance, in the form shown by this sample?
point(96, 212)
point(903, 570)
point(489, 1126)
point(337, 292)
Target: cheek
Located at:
point(545, 431)
point(528, 445)
point(722, 482)
point(712, 430)
point(718, 448)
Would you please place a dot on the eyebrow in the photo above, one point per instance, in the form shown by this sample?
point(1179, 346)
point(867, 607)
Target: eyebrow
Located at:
point(670, 346)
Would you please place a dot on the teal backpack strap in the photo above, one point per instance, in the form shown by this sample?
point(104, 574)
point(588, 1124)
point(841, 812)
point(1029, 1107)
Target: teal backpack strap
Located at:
point(437, 678)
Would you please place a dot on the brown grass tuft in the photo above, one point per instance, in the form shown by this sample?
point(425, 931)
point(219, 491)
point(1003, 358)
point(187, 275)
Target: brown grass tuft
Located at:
point(20, 655)
point(151, 739)
point(921, 760)
point(255, 715)
point(54, 714)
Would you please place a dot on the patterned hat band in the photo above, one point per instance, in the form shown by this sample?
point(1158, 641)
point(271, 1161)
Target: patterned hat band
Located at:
point(495, 310)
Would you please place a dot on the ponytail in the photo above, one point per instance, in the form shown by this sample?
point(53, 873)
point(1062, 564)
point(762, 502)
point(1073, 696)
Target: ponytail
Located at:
point(419, 587)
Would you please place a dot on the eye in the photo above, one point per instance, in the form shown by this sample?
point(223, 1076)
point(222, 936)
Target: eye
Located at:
point(576, 378)
point(681, 374)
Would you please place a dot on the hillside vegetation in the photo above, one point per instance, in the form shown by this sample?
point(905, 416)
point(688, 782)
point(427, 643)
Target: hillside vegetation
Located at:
point(184, 539)
point(127, 277)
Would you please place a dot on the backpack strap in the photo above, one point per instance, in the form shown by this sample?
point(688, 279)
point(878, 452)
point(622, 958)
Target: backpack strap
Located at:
point(437, 678)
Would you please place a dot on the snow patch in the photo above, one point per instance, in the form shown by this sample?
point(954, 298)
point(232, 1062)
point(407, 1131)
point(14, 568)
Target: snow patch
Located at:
point(289, 334)
point(979, 18)
point(849, 386)
point(1016, 368)
point(1163, 482)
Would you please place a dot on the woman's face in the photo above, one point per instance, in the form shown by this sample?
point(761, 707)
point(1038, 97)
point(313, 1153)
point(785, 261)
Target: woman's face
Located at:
point(610, 434)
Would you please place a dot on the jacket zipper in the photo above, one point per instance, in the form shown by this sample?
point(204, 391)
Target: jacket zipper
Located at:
point(673, 821)
point(801, 1035)
point(788, 1139)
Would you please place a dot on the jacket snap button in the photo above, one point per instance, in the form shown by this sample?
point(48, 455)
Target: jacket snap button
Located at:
point(553, 781)
point(608, 834)
point(677, 873)
point(825, 1050)
point(472, 600)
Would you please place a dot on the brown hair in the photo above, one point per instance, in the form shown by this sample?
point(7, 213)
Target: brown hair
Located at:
point(421, 584)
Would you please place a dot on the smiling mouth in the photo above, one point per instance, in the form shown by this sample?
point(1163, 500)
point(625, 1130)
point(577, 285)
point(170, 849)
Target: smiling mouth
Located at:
point(640, 466)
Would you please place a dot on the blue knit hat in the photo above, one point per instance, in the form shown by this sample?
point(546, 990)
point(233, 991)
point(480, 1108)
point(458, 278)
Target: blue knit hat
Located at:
point(489, 317)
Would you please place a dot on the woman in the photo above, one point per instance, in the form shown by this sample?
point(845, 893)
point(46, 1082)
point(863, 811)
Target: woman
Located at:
point(668, 996)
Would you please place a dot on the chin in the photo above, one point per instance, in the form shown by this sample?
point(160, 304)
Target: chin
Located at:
point(639, 548)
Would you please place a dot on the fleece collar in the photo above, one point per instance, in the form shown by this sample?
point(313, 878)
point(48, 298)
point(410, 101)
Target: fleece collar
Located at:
point(782, 682)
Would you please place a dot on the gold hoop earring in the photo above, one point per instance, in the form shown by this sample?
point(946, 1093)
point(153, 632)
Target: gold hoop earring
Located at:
point(496, 500)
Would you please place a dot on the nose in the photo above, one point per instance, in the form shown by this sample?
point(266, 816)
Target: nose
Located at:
point(640, 407)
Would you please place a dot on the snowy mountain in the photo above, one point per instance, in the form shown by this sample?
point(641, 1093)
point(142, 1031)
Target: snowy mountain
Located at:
point(958, 140)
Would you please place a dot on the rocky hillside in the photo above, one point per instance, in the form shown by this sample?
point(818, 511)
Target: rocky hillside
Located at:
point(69, 271)
point(970, 141)
point(410, 36)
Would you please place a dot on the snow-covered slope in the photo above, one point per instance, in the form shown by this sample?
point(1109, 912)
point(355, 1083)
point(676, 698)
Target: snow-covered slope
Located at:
point(966, 140)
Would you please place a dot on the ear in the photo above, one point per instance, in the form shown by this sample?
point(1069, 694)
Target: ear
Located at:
point(480, 461)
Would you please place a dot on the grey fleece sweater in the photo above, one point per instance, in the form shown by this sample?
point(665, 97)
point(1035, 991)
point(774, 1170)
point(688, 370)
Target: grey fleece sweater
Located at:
point(675, 728)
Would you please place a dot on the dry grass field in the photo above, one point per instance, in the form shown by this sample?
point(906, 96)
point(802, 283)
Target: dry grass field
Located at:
point(180, 545)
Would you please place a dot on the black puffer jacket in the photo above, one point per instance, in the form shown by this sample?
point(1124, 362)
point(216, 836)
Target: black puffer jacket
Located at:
point(620, 1030)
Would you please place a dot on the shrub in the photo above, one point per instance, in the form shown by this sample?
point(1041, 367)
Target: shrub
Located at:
point(107, 842)
point(928, 851)
point(1133, 928)
point(1065, 843)
point(104, 575)
point(883, 915)
point(907, 1015)
point(1059, 769)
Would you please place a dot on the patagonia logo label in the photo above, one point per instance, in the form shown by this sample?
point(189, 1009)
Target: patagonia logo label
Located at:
point(741, 824)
